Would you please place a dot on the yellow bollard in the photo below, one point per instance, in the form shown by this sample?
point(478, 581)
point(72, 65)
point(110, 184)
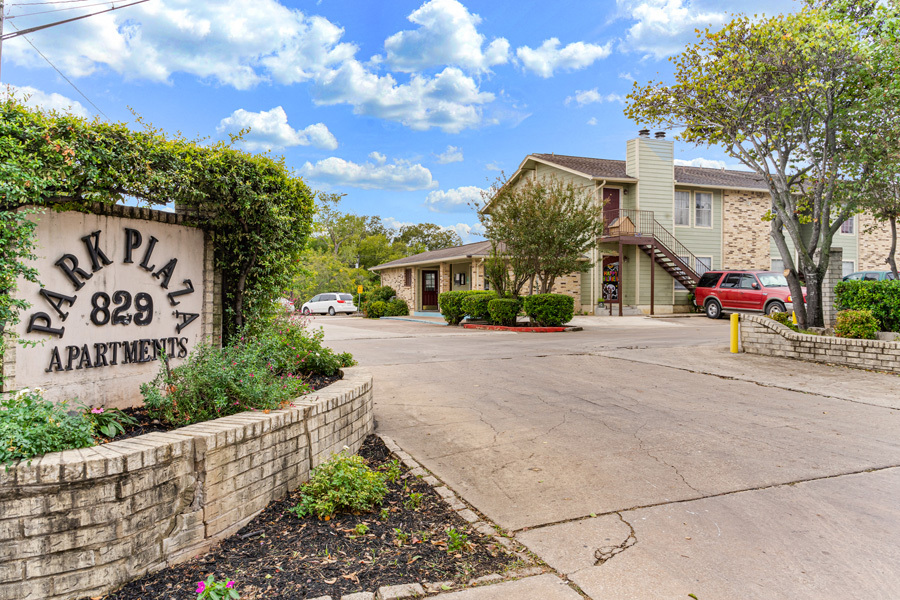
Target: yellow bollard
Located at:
point(734, 333)
point(794, 317)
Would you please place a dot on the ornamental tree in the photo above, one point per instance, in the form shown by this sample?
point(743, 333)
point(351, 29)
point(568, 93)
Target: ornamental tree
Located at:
point(543, 227)
point(786, 96)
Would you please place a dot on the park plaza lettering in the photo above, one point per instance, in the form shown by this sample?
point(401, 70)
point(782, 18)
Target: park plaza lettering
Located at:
point(118, 308)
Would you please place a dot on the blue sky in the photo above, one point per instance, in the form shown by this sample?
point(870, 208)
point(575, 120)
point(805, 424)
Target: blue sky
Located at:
point(407, 107)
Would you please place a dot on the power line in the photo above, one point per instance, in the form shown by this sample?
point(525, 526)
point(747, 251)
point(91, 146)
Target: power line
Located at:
point(69, 81)
point(43, 12)
point(39, 27)
point(37, 3)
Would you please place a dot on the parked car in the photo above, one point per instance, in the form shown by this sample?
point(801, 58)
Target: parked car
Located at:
point(869, 276)
point(329, 303)
point(746, 291)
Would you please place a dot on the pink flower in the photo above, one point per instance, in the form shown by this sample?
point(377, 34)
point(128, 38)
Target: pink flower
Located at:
point(97, 411)
point(251, 374)
point(200, 587)
point(229, 585)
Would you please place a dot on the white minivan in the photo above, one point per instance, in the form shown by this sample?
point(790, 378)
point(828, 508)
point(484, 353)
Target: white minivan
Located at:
point(329, 303)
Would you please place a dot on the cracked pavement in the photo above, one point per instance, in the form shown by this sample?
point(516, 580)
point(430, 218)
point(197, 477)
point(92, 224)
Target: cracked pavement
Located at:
point(639, 459)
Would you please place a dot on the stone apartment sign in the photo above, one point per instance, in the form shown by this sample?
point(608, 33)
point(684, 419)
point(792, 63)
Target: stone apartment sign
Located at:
point(118, 293)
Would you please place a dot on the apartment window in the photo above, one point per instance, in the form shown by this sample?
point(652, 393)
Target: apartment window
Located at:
point(778, 265)
point(407, 277)
point(847, 267)
point(702, 264)
point(703, 209)
point(847, 226)
point(683, 209)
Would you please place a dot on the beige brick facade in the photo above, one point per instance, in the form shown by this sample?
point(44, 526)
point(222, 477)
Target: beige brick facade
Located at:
point(745, 234)
point(396, 278)
point(570, 285)
point(874, 243)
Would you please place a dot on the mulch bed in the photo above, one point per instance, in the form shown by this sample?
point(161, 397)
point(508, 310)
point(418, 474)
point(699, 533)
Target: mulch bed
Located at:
point(279, 556)
point(146, 424)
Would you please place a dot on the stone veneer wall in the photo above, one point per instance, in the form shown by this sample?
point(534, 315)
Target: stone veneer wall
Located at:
point(874, 243)
point(396, 278)
point(762, 335)
point(746, 235)
point(82, 522)
point(570, 285)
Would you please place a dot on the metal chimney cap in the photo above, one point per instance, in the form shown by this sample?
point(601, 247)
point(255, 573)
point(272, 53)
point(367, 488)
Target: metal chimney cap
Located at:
point(644, 133)
point(660, 135)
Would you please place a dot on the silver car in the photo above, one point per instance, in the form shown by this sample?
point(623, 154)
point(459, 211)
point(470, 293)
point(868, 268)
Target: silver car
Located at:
point(329, 303)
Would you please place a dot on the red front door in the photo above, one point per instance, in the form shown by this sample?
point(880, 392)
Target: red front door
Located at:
point(429, 290)
point(610, 205)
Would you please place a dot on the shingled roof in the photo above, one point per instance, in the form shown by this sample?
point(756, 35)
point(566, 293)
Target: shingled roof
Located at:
point(600, 168)
point(442, 255)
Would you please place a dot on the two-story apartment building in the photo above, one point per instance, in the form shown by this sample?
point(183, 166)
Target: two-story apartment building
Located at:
point(664, 226)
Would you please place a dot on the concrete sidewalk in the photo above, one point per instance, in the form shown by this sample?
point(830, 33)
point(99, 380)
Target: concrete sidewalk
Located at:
point(541, 587)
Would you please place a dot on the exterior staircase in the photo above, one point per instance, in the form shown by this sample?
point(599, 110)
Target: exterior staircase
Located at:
point(640, 228)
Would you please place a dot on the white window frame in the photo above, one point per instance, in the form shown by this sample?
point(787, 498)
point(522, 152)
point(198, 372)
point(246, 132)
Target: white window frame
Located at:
point(852, 264)
point(711, 210)
point(690, 202)
point(709, 262)
point(852, 227)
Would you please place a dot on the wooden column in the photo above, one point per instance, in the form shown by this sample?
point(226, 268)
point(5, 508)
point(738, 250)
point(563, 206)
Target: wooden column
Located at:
point(652, 274)
point(621, 276)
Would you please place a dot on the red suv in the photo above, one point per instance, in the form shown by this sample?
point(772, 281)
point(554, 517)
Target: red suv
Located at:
point(751, 291)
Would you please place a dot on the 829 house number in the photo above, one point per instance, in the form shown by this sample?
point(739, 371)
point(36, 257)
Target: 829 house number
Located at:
point(121, 304)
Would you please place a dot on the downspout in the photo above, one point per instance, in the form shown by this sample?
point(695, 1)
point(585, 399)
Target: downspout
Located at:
point(597, 280)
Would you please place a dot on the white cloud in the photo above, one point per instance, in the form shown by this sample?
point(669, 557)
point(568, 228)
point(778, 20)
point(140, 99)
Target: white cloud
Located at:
point(378, 157)
point(664, 27)
point(399, 175)
point(583, 97)
point(226, 43)
point(36, 98)
point(701, 162)
point(450, 100)
point(453, 200)
point(451, 155)
point(447, 35)
point(492, 167)
point(626, 76)
point(549, 57)
point(593, 121)
point(468, 233)
point(222, 41)
point(269, 130)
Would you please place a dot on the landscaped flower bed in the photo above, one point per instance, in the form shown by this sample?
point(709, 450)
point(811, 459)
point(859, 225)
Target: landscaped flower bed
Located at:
point(412, 537)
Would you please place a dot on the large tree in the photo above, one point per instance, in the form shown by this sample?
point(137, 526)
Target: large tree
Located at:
point(542, 227)
point(427, 236)
point(785, 96)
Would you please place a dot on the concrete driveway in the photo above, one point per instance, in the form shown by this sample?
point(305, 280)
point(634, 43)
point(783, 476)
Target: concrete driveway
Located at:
point(641, 460)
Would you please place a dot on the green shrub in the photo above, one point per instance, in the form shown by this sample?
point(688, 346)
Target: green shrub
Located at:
point(31, 425)
point(264, 372)
point(503, 311)
point(377, 309)
point(859, 324)
point(784, 318)
point(383, 293)
point(451, 306)
point(397, 308)
point(549, 310)
point(343, 483)
point(475, 303)
point(880, 297)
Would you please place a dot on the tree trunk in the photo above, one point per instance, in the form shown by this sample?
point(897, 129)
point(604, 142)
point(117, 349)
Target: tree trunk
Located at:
point(890, 257)
point(815, 316)
point(792, 279)
point(239, 293)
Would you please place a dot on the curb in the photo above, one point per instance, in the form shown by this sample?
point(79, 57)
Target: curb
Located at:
point(521, 329)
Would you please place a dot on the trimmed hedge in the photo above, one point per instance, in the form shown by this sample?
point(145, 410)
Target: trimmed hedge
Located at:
point(475, 304)
point(882, 298)
point(397, 308)
point(451, 304)
point(858, 324)
point(549, 310)
point(503, 311)
point(376, 310)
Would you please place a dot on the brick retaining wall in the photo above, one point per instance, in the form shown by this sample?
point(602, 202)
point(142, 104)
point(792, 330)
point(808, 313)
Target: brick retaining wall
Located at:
point(82, 522)
point(762, 335)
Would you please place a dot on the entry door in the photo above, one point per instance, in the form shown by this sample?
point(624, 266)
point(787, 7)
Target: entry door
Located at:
point(611, 279)
point(429, 290)
point(610, 205)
